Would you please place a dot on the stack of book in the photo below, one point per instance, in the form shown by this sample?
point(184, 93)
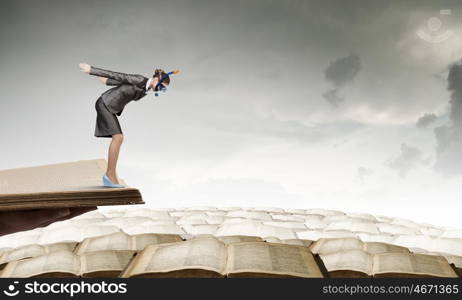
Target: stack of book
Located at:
point(168, 255)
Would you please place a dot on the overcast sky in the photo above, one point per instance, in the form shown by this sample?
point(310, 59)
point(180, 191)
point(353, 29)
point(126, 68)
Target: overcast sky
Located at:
point(348, 105)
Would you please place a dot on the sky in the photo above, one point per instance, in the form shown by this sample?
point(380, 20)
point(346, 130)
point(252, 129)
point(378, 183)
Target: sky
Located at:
point(346, 105)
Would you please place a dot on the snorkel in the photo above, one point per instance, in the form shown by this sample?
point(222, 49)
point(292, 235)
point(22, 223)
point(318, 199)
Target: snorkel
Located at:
point(160, 86)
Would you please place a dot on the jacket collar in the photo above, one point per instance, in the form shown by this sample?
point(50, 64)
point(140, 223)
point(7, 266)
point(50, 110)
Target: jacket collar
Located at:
point(147, 87)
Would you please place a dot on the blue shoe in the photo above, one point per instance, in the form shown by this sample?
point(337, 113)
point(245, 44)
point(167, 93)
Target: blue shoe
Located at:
point(108, 183)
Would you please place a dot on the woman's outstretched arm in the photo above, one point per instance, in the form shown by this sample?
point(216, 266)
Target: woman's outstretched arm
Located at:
point(120, 77)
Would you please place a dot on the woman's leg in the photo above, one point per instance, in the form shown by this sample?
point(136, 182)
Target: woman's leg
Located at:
point(113, 155)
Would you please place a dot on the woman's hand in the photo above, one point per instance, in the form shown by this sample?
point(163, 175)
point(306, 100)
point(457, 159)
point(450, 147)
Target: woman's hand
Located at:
point(84, 67)
point(102, 79)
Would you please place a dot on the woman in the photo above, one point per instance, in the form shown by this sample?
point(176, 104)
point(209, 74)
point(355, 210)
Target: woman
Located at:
point(127, 87)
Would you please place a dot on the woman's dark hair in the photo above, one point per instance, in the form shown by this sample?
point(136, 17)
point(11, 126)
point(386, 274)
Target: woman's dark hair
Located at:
point(159, 73)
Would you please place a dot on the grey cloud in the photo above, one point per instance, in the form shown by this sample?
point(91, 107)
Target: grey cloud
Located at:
point(340, 73)
point(343, 71)
point(449, 136)
point(333, 97)
point(425, 120)
point(409, 158)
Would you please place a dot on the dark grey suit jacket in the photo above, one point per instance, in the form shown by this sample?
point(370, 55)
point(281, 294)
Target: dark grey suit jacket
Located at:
point(128, 87)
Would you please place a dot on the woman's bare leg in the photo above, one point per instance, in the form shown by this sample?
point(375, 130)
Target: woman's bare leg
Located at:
point(113, 155)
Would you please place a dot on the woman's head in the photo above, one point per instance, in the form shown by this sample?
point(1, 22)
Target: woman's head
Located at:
point(159, 74)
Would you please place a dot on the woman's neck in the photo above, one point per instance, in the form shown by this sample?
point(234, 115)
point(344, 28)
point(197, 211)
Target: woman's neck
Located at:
point(154, 82)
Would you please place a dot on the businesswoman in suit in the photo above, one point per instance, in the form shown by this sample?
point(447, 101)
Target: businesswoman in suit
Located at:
point(127, 87)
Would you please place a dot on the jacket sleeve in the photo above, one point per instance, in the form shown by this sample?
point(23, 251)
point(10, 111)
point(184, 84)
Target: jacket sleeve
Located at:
point(134, 79)
point(111, 81)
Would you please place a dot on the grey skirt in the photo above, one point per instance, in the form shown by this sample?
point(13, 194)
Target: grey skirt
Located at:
point(107, 123)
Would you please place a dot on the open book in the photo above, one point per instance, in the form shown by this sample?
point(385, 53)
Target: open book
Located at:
point(359, 263)
point(210, 257)
point(67, 264)
point(73, 184)
point(33, 251)
point(123, 241)
point(325, 246)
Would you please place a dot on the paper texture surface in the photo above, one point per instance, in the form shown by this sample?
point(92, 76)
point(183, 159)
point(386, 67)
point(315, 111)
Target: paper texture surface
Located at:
point(270, 258)
point(355, 260)
point(204, 253)
point(71, 176)
point(421, 264)
point(60, 261)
